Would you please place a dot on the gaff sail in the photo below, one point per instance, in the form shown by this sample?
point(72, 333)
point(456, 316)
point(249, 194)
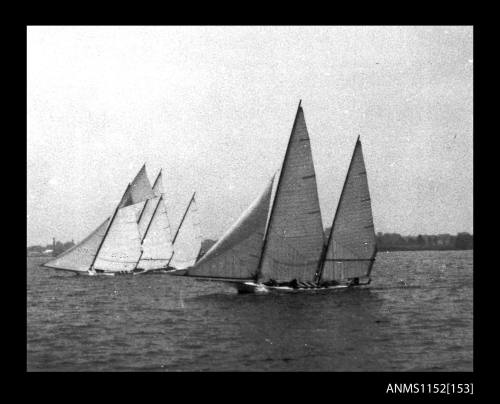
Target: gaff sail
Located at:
point(157, 246)
point(138, 192)
point(351, 247)
point(236, 254)
point(294, 239)
point(121, 247)
point(80, 257)
point(187, 239)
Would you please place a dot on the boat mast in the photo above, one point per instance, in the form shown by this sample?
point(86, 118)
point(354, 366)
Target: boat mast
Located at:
point(142, 210)
point(264, 244)
point(183, 217)
point(157, 178)
point(109, 227)
point(147, 200)
point(177, 231)
point(325, 247)
point(147, 228)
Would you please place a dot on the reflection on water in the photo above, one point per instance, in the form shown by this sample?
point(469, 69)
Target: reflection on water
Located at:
point(416, 315)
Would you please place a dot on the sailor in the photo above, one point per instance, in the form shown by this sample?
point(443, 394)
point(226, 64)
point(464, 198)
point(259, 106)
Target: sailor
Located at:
point(294, 284)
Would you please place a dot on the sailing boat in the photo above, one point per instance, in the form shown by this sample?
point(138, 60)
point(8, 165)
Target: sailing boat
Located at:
point(116, 246)
point(288, 251)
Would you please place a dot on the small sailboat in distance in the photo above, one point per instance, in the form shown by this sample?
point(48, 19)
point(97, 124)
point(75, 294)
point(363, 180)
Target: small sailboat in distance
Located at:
point(115, 246)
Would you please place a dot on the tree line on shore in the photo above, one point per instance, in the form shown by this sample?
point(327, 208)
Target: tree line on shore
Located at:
point(50, 249)
point(385, 242)
point(397, 242)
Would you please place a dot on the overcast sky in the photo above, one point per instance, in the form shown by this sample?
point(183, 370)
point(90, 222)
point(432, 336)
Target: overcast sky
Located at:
point(214, 107)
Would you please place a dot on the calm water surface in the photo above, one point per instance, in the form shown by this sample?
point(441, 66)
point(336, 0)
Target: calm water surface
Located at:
point(415, 316)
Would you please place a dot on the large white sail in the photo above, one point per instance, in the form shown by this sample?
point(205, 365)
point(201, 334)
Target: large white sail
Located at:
point(80, 257)
point(121, 248)
point(351, 247)
point(139, 190)
point(294, 238)
point(236, 254)
point(187, 241)
point(157, 239)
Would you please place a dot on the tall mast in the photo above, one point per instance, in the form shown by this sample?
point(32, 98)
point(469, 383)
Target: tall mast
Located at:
point(151, 221)
point(178, 228)
point(264, 245)
point(157, 178)
point(142, 210)
point(147, 200)
point(109, 227)
point(325, 247)
point(147, 228)
point(183, 217)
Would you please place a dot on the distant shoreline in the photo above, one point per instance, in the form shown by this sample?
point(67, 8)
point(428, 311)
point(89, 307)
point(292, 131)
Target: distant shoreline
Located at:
point(389, 249)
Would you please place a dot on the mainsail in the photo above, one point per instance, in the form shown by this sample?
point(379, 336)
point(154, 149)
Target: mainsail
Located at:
point(294, 238)
point(187, 239)
point(121, 247)
point(157, 239)
point(351, 247)
point(236, 254)
point(80, 257)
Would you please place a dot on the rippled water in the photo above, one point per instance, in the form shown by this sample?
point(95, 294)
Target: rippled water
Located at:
point(159, 322)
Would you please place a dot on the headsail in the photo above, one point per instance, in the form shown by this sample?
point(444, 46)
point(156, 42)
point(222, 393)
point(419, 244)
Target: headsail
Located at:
point(139, 190)
point(187, 239)
point(294, 238)
point(156, 239)
point(351, 247)
point(121, 247)
point(236, 254)
point(80, 257)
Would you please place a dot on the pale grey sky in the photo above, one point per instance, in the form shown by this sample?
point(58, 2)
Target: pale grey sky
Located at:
point(214, 107)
